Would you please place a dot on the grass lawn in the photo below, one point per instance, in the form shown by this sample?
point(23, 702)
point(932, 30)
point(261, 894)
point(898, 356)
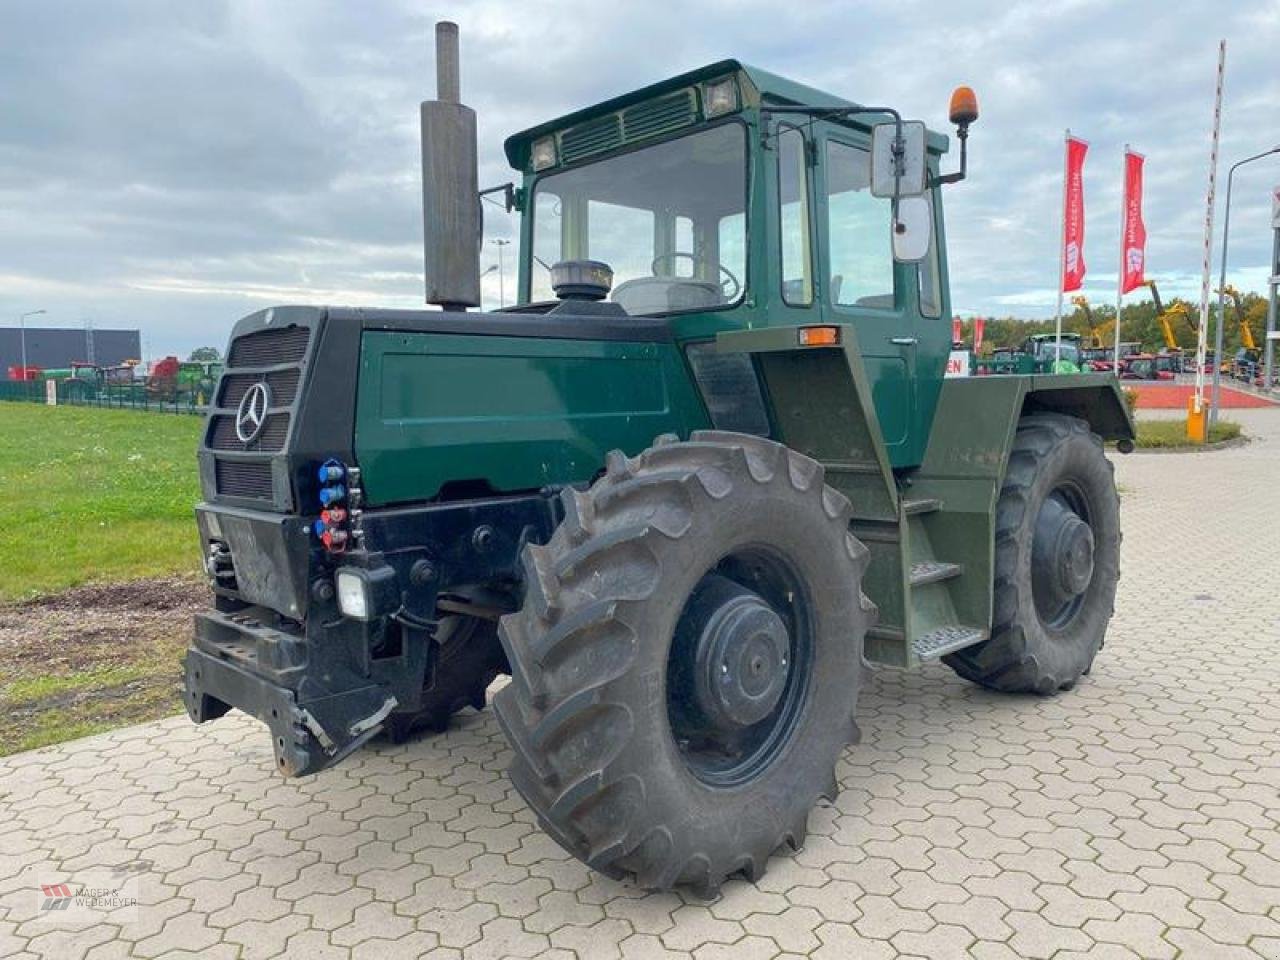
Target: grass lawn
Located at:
point(101, 568)
point(89, 495)
point(1167, 434)
point(93, 658)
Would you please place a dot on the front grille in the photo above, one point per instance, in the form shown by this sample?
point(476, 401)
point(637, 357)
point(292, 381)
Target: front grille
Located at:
point(236, 478)
point(275, 429)
point(283, 385)
point(263, 348)
point(276, 357)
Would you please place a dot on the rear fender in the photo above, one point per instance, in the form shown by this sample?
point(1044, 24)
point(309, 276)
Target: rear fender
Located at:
point(1094, 398)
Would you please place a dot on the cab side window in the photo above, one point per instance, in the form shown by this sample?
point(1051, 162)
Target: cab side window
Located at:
point(930, 274)
point(793, 218)
point(858, 239)
point(731, 241)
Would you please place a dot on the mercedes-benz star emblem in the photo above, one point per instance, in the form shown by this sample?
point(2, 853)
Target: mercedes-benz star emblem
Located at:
point(252, 413)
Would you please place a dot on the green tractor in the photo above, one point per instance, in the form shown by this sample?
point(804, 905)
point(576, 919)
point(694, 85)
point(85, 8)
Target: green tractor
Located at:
point(196, 380)
point(701, 474)
point(1039, 353)
point(1051, 356)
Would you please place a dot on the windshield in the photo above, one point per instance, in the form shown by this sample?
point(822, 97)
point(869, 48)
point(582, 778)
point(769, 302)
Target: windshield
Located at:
point(669, 219)
point(1049, 348)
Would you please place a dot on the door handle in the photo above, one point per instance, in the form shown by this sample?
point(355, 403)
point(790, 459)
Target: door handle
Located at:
point(904, 341)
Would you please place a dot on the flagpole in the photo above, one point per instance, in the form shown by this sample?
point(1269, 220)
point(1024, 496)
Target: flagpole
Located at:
point(1062, 251)
point(1124, 217)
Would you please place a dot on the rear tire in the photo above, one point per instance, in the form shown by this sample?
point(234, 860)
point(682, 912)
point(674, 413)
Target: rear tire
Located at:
point(1046, 634)
point(628, 763)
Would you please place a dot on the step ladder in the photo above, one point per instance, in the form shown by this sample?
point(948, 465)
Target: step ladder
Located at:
point(929, 627)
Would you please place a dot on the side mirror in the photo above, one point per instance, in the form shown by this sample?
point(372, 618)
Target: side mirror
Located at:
point(902, 175)
point(912, 229)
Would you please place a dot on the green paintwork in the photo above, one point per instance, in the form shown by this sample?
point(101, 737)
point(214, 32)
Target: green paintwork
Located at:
point(921, 458)
point(822, 408)
point(842, 432)
point(966, 459)
point(516, 413)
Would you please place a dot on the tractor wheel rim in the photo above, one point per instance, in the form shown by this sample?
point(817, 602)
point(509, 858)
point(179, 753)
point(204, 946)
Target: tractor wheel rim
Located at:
point(741, 662)
point(1062, 556)
point(738, 668)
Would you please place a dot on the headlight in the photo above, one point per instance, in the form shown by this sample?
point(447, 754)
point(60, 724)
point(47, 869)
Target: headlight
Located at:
point(353, 594)
point(366, 593)
point(720, 97)
point(544, 153)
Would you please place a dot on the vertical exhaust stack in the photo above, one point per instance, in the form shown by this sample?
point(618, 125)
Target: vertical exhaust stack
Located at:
point(450, 185)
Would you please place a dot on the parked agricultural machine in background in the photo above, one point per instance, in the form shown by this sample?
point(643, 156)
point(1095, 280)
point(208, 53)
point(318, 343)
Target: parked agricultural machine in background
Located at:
point(168, 381)
point(1096, 350)
point(1039, 353)
point(84, 381)
point(174, 380)
point(1172, 358)
point(704, 466)
point(1247, 362)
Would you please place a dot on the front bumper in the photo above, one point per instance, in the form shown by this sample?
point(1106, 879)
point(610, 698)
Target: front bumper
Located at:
point(236, 661)
point(277, 646)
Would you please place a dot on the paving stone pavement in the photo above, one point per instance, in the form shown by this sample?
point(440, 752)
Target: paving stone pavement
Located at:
point(1134, 817)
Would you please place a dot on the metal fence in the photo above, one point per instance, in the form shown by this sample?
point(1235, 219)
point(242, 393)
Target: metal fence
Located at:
point(114, 396)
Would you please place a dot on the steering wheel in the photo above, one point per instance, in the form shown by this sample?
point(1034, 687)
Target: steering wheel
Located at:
point(729, 293)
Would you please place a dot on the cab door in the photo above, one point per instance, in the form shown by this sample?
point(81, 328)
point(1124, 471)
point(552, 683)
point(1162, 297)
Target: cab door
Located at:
point(861, 284)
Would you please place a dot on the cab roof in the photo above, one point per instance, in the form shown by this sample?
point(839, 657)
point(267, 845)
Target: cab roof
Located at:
point(769, 87)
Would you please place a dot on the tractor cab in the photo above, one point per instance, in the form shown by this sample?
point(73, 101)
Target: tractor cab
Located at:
point(1052, 356)
point(731, 199)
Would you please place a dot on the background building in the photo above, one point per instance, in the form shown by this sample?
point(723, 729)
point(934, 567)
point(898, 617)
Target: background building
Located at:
point(58, 346)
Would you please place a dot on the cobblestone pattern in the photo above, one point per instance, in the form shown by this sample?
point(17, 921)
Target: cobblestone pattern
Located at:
point(1134, 817)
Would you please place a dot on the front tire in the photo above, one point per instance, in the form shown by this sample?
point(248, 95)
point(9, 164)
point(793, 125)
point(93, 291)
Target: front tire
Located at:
point(686, 663)
point(1057, 561)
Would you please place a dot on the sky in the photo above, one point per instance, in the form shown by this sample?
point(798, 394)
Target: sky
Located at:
point(174, 166)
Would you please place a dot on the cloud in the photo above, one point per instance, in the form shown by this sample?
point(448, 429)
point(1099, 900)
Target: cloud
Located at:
point(174, 166)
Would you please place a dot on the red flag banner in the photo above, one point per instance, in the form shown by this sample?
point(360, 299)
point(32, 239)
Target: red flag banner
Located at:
point(1073, 269)
point(957, 329)
point(979, 326)
point(1134, 262)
